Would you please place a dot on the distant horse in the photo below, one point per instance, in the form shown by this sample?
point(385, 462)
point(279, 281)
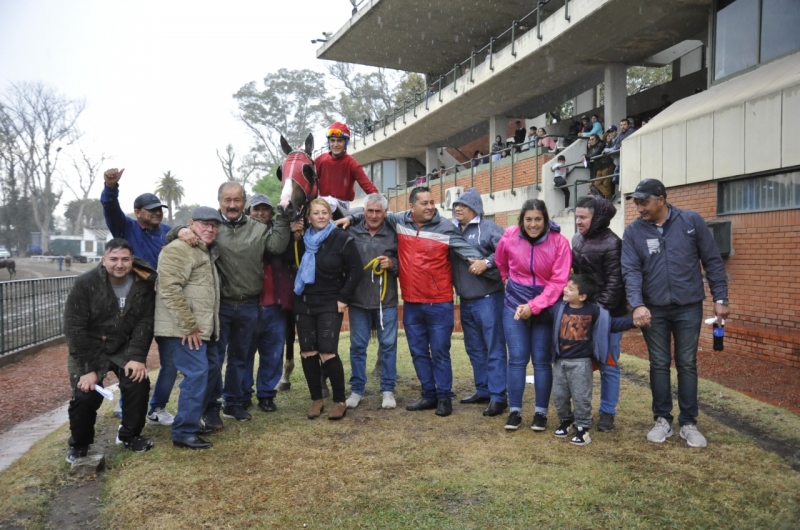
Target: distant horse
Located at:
point(10, 265)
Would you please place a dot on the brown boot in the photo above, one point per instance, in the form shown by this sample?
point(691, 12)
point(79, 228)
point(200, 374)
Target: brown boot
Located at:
point(338, 411)
point(316, 409)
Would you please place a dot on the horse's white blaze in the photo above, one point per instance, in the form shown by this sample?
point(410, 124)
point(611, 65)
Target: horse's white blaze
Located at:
point(286, 193)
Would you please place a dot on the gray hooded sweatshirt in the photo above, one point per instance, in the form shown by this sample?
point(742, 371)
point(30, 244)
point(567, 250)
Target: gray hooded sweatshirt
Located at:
point(483, 235)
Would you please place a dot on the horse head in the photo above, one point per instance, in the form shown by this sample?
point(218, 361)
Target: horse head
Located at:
point(299, 184)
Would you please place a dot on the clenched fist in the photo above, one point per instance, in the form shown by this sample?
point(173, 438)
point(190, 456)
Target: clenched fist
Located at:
point(112, 176)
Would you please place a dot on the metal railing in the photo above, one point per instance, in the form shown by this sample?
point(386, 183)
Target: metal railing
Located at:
point(370, 127)
point(31, 311)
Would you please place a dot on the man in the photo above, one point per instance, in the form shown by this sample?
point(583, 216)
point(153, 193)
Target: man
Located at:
point(661, 255)
point(270, 333)
point(242, 243)
point(596, 252)
point(147, 235)
point(187, 323)
point(481, 305)
point(108, 324)
point(338, 171)
point(374, 304)
point(424, 242)
point(625, 130)
point(519, 136)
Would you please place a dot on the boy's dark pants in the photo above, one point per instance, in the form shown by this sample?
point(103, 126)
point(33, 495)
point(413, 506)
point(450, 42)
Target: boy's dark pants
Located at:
point(572, 378)
point(84, 405)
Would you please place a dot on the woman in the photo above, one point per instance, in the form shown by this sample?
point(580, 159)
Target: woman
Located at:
point(595, 148)
point(497, 147)
point(477, 158)
point(535, 259)
point(329, 274)
point(549, 143)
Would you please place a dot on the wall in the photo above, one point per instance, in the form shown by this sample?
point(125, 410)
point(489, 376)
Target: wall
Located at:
point(762, 272)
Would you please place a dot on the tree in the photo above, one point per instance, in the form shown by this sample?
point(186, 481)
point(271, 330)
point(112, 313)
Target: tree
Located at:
point(170, 191)
point(43, 121)
point(87, 171)
point(270, 186)
point(291, 102)
point(83, 213)
point(183, 214)
point(243, 173)
point(643, 77)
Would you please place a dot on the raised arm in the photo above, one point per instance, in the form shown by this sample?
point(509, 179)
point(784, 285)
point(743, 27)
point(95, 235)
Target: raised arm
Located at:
point(116, 220)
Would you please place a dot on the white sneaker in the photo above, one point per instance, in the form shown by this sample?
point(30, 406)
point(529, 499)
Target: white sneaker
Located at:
point(660, 432)
point(118, 441)
point(388, 401)
point(353, 401)
point(692, 436)
point(160, 417)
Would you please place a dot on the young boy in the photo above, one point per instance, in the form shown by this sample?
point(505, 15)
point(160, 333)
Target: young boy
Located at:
point(581, 332)
point(560, 172)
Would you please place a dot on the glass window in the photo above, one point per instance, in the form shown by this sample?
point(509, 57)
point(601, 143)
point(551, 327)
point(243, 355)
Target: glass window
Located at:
point(780, 191)
point(736, 39)
point(780, 28)
point(389, 176)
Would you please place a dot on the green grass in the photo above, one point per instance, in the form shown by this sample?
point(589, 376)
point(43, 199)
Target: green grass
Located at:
point(396, 469)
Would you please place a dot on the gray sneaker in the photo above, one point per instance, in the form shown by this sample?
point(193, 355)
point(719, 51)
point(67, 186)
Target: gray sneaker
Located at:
point(692, 436)
point(353, 401)
point(660, 432)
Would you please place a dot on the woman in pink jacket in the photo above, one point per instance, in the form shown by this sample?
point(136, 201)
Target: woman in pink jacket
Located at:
point(535, 259)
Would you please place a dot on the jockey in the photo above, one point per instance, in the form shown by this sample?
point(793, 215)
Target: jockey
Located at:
point(338, 171)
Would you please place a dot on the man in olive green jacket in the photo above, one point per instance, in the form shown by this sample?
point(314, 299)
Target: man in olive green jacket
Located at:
point(187, 322)
point(243, 243)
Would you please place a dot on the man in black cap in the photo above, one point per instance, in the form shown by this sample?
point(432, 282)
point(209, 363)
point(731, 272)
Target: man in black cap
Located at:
point(147, 235)
point(661, 255)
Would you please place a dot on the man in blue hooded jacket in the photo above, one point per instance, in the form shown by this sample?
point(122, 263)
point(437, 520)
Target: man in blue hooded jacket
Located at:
point(481, 304)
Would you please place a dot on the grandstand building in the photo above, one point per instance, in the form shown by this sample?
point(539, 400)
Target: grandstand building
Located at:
point(726, 146)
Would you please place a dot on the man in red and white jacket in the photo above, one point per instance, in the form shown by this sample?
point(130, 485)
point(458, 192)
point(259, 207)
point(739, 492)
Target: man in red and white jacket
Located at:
point(425, 244)
point(338, 171)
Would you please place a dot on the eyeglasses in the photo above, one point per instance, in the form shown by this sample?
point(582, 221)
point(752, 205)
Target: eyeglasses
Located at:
point(209, 226)
point(336, 133)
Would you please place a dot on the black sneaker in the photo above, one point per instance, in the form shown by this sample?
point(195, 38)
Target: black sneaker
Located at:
point(539, 422)
point(137, 444)
point(76, 452)
point(581, 437)
point(606, 422)
point(267, 404)
point(514, 421)
point(564, 429)
point(247, 404)
point(236, 412)
point(212, 419)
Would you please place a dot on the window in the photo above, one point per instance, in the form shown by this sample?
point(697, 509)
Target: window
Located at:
point(88, 246)
point(749, 32)
point(778, 191)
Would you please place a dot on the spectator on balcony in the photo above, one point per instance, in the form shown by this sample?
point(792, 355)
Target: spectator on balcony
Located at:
point(574, 131)
point(442, 172)
point(586, 125)
point(519, 137)
point(497, 148)
point(477, 158)
point(532, 138)
point(595, 127)
point(419, 179)
point(546, 141)
point(665, 102)
point(625, 130)
point(560, 172)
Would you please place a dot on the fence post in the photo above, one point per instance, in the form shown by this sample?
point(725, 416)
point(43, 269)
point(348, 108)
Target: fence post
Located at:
point(33, 304)
point(491, 54)
point(2, 320)
point(513, 39)
point(513, 156)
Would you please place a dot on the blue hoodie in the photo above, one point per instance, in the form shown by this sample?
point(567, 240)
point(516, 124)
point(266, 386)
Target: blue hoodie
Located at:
point(483, 235)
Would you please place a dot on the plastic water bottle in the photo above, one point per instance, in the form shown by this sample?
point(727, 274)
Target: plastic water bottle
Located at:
point(719, 335)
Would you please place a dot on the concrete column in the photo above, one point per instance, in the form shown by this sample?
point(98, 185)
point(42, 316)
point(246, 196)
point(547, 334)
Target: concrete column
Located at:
point(431, 159)
point(616, 94)
point(585, 102)
point(497, 125)
point(401, 170)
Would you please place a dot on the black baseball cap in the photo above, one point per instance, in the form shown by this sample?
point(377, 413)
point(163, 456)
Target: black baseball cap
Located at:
point(648, 188)
point(611, 128)
point(260, 198)
point(206, 213)
point(148, 201)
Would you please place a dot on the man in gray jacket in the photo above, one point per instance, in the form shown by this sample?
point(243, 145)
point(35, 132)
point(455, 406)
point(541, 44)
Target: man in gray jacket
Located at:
point(661, 255)
point(481, 305)
point(375, 301)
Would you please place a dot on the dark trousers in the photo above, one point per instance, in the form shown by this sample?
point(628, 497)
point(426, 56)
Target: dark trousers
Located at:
point(84, 405)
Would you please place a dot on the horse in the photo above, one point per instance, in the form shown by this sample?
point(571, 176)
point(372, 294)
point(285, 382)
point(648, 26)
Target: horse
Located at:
point(10, 265)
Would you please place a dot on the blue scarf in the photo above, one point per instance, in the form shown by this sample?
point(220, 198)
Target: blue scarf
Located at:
point(308, 265)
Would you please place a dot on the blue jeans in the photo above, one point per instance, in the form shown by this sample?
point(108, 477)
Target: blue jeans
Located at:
point(192, 399)
point(528, 340)
point(165, 380)
point(482, 321)
point(680, 323)
point(237, 323)
point(268, 340)
point(609, 380)
point(428, 331)
point(361, 321)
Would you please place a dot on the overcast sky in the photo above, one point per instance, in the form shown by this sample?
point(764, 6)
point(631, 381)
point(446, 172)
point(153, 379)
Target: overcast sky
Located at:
point(158, 76)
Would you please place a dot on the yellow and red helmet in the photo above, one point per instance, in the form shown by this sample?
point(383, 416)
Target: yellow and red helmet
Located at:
point(338, 130)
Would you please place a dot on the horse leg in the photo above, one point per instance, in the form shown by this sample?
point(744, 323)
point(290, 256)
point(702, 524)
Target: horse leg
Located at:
point(288, 365)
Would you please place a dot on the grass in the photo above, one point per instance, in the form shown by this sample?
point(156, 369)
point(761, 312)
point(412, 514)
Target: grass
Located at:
point(396, 469)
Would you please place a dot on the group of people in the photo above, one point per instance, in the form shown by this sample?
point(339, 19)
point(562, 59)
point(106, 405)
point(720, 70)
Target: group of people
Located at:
point(217, 290)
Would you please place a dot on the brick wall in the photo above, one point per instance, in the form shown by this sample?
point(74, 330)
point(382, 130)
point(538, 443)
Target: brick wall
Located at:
point(763, 277)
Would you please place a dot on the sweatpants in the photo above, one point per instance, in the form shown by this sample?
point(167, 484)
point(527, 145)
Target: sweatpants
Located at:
point(572, 379)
